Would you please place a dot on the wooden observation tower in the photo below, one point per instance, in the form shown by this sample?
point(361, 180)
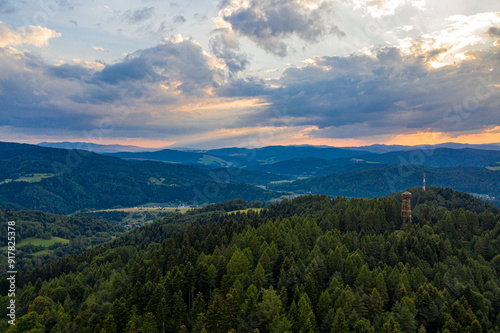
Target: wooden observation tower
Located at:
point(406, 207)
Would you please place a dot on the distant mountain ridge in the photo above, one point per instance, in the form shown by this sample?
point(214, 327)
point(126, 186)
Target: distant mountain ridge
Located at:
point(271, 154)
point(375, 148)
point(316, 161)
point(440, 157)
point(240, 157)
point(384, 181)
point(59, 180)
point(382, 148)
point(96, 148)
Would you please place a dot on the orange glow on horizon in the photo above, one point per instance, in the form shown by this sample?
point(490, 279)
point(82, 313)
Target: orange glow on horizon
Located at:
point(323, 142)
point(139, 142)
point(433, 138)
point(268, 135)
point(404, 139)
point(222, 105)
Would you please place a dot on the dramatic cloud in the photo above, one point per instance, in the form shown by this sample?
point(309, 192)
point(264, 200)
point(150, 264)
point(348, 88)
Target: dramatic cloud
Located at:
point(426, 71)
point(451, 45)
point(225, 46)
point(148, 84)
point(179, 63)
point(34, 35)
point(384, 92)
point(33, 96)
point(172, 86)
point(268, 23)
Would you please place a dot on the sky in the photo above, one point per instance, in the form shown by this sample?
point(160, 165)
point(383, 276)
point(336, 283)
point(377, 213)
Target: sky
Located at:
point(230, 73)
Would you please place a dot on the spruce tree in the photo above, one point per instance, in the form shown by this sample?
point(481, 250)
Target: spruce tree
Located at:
point(339, 323)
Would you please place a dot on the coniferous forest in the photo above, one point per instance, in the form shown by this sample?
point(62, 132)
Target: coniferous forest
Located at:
point(311, 264)
point(77, 233)
point(250, 166)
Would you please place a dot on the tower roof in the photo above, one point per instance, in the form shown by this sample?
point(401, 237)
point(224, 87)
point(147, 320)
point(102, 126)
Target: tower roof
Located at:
point(406, 194)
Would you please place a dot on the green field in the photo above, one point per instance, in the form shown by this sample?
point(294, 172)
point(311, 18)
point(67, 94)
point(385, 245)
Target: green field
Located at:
point(41, 253)
point(493, 168)
point(156, 181)
point(210, 160)
point(42, 242)
point(246, 210)
point(136, 215)
point(39, 242)
point(146, 209)
point(281, 182)
point(29, 178)
point(34, 177)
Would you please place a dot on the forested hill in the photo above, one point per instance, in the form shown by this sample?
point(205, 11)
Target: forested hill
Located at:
point(42, 237)
point(36, 224)
point(63, 181)
point(312, 264)
point(439, 157)
point(384, 181)
point(447, 198)
point(241, 157)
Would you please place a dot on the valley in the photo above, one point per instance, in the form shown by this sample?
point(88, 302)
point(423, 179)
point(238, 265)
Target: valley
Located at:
point(233, 166)
point(281, 243)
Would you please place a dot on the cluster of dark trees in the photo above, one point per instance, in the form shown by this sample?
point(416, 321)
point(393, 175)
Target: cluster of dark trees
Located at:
point(312, 264)
point(82, 233)
point(448, 199)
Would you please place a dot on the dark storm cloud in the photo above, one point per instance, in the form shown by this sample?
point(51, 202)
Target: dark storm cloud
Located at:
point(182, 62)
point(248, 87)
point(32, 94)
point(269, 22)
point(357, 95)
point(130, 69)
point(381, 93)
point(67, 71)
point(98, 95)
point(72, 96)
